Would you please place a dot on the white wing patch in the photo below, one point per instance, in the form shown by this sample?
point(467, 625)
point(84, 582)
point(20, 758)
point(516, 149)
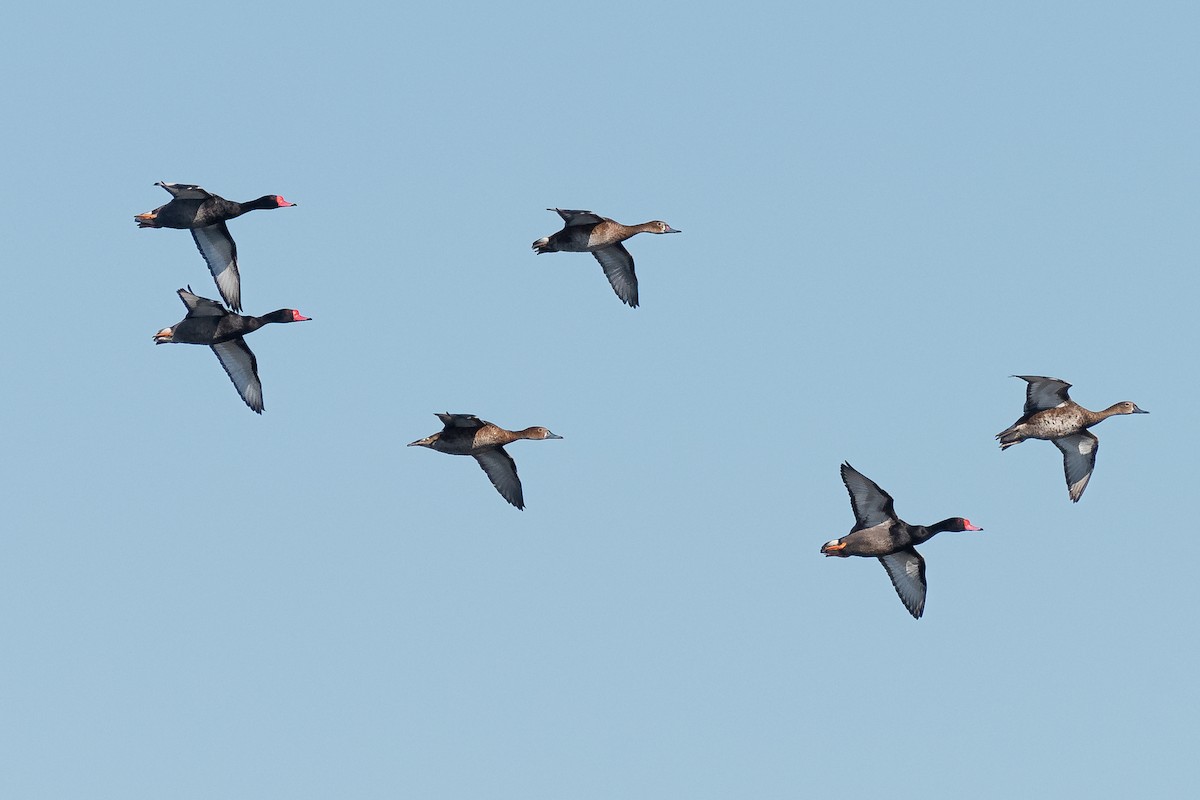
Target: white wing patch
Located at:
point(220, 253)
point(1079, 459)
point(1076, 489)
point(242, 368)
point(907, 571)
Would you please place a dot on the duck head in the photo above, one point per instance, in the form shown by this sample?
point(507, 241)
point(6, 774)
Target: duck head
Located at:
point(165, 336)
point(538, 432)
point(286, 315)
point(955, 525)
point(267, 201)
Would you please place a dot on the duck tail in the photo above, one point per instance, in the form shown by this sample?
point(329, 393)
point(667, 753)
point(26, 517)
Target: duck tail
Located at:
point(1009, 437)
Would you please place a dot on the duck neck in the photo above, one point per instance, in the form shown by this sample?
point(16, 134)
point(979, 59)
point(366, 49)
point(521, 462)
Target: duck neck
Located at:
point(282, 315)
point(927, 532)
point(1113, 410)
point(266, 201)
point(1096, 416)
point(227, 209)
point(503, 436)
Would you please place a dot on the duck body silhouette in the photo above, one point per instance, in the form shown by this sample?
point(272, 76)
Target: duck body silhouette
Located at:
point(588, 232)
point(879, 533)
point(205, 214)
point(1051, 414)
point(207, 322)
point(468, 435)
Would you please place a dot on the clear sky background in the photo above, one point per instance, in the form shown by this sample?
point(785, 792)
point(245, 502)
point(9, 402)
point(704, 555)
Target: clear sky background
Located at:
point(887, 210)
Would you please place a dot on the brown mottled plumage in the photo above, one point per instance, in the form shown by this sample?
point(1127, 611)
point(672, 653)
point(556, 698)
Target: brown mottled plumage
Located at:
point(1051, 414)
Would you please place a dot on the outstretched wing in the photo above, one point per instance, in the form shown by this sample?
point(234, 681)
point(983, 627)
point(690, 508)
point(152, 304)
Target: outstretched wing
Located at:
point(220, 253)
point(907, 571)
point(577, 217)
point(184, 191)
point(872, 505)
point(460, 420)
point(242, 368)
point(618, 268)
point(502, 471)
point(198, 306)
point(1079, 459)
point(1043, 393)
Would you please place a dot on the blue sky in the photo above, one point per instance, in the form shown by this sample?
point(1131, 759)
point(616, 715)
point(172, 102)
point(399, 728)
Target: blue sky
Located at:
point(886, 211)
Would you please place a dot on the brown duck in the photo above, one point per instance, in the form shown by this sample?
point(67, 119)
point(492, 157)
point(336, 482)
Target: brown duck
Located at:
point(1051, 414)
point(586, 232)
point(878, 532)
point(468, 435)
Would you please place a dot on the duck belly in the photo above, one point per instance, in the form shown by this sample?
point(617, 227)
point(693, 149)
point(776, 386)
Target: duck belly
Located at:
point(1054, 423)
point(572, 240)
point(876, 541)
point(455, 446)
point(183, 214)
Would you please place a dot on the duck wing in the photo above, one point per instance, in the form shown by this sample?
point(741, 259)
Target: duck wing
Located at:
point(220, 253)
point(1043, 393)
point(618, 268)
point(242, 368)
point(460, 421)
point(185, 191)
point(577, 217)
point(198, 306)
point(872, 505)
point(1079, 459)
point(906, 568)
point(502, 471)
